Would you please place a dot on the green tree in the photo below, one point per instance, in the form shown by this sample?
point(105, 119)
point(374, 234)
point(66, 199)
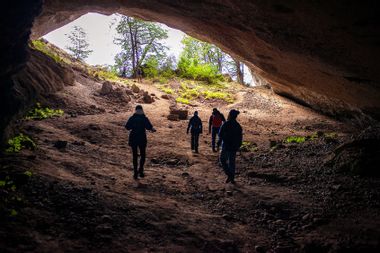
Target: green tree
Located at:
point(78, 43)
point(139, 41)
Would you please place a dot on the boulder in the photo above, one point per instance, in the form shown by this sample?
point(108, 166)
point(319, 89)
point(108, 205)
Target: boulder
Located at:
point(106, 88)
point(147, 99)
point(173, 117)
point(135, 88)
point(166, 96)
point(181, 112)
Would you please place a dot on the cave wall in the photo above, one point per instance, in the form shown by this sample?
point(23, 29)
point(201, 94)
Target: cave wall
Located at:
point(321, 53)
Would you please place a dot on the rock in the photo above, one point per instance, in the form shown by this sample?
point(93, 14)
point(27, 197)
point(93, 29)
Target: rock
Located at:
point(185, 174)
point(173, 117)
point(181, 112)
point(106, 88)
point(229, 193)
point(306, 217)
point(106, 218)
point(166, 96)
point(284, 249)
point(60, 144)
point(260, 249)
point(135, 88)
point(129, 92)
point(148, 99)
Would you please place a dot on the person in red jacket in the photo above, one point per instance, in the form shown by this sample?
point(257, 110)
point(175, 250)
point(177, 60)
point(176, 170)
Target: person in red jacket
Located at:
point(214, 124)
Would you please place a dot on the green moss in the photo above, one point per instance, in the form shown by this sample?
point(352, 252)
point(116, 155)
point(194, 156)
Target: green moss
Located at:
point(295, 139)
point(19, 142)
point(332, 135)
point(39, 112)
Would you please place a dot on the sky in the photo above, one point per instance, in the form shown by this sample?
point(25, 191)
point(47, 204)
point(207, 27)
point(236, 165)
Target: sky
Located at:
point(100, 31)
point(100, 35)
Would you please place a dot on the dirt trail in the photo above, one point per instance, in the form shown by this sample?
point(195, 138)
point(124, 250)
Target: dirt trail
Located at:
point(83, 198)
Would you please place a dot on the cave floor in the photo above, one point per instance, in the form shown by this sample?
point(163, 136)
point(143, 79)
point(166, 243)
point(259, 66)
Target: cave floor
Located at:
point(82, 198)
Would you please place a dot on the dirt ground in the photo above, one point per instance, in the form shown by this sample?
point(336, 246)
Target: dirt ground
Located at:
point(82, 198)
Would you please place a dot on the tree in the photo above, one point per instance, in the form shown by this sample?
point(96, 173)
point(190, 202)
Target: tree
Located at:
point(79, 45)
point(139, 41)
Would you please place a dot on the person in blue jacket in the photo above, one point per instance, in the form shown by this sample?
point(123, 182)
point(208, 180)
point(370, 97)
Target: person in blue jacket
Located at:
point(138, 123)
point(195, 127)
point(231, 136)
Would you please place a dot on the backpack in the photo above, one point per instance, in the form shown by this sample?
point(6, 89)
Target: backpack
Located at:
point(217, 120)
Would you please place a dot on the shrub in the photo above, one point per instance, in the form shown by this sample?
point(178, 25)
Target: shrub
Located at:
point(190, 68)
point(182, 100)
point(167, 90)
point(295, 139)
point(19, 142)
point(150, 68)
point(43, 113)
point(248, 146)
point(218, 95)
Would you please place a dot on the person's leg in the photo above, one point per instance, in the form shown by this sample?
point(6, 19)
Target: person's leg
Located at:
point(142, 159)
point(134, 155)
point(196, 142)
point(192, 141)
point(223, 161)
point(217, 137)
point(231, 165)
point(214, 132)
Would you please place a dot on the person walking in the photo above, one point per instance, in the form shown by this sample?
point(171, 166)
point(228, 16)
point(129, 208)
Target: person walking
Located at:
point(138, 123)
point(215, 122)
point(195, 127)
point(231, 138)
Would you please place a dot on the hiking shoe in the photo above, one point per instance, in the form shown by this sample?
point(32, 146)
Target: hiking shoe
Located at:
point(228, 180)
point(141, 174)
point(135, 176)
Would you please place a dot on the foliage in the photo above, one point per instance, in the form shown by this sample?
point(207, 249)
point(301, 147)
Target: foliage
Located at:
point(19, 142)
point(248, 146)
point(139, 40)
point(39, 112)
point(79, 45)
point(167, 90)
point(192, 69)
point(295, 139)
point(189, 93)
point(43, 47)
point(208, 94)
point(10, 197)
point(182, 100)
point(150, 68)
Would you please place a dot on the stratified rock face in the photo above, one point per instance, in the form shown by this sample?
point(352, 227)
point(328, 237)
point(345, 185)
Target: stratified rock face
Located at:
point(322, 53)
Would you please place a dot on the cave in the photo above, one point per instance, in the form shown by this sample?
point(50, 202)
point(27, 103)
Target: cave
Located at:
point(318, 54)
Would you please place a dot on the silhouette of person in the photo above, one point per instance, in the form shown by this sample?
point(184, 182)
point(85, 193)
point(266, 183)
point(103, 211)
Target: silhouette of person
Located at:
point(215, 122)
point(195, 127)
point(138, 123)
point(231, 136)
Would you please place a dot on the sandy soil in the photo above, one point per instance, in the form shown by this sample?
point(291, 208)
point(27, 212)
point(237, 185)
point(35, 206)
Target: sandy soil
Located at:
point(83, 198)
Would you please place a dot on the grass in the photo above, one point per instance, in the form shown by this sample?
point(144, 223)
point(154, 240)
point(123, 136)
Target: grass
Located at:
point(44, 48)
point(40, 113)
point(167, 90)
point(19, 142)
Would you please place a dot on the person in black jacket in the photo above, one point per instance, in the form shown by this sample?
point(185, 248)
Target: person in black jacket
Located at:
point(231, 136)
point(195, 125)
point(137, 124)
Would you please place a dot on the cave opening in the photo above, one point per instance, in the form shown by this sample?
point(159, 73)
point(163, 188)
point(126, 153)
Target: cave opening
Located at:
point(305, 182)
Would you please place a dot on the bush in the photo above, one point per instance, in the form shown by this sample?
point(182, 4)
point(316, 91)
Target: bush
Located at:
point(167, 90)
point(19, 142)
point(150, 68)
point(190, 68)
point(43, 113)
point(218, 95)
point(182, 100)
point(295, 139)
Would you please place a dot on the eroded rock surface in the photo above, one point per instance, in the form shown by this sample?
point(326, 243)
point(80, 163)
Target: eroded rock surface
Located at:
point(319, 53)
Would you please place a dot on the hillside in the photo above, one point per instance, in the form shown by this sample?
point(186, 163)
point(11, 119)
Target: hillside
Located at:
point(78, 194)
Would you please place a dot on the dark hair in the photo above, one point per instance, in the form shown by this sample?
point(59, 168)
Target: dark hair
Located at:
point(234, 113)
point(138, 107)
